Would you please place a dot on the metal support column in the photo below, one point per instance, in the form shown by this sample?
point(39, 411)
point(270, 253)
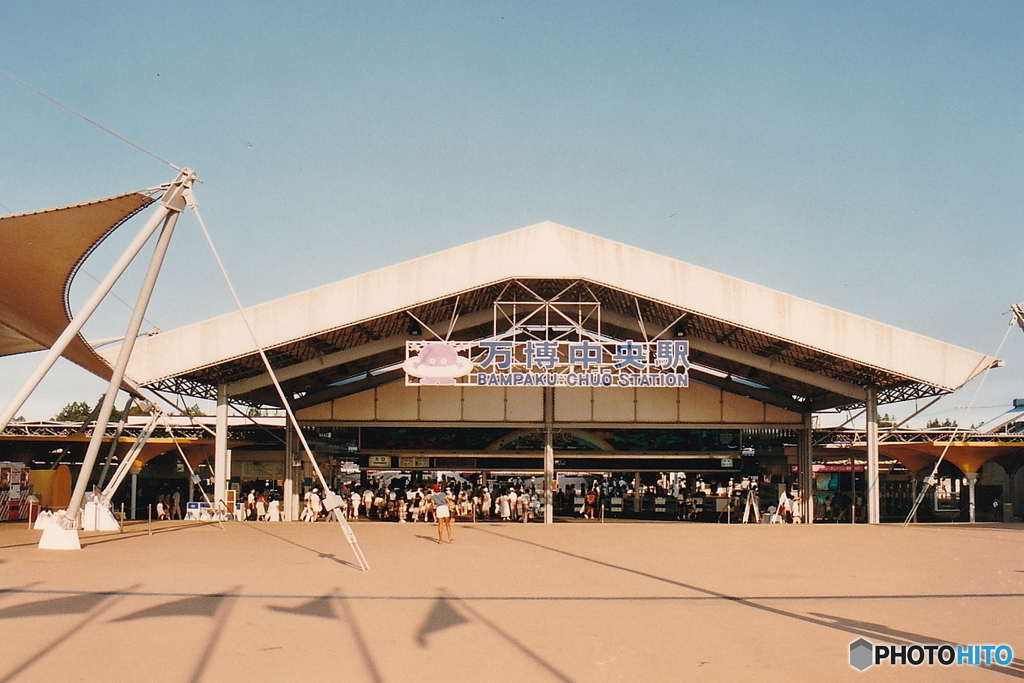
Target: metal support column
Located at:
point(549, 454)
point(220, 448)
point(64, 535)
point(871, 431)
point(805, 468)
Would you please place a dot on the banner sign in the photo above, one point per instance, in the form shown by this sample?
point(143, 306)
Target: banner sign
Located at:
point(829, 467)
point(537, 363)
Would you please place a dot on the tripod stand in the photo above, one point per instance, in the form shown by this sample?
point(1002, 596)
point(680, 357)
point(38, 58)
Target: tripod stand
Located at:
point(751, 507)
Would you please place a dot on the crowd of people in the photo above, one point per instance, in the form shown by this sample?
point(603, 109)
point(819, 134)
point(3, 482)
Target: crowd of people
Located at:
point(404, 500)
point(512, 501)
point(408, 502)
point(264, 506)
point(168, 505)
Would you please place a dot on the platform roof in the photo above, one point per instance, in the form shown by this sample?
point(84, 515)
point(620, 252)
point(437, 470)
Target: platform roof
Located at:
point(336, 339)
point(40, 253)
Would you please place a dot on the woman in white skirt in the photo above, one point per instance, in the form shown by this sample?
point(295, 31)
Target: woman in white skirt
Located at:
point(442, 513)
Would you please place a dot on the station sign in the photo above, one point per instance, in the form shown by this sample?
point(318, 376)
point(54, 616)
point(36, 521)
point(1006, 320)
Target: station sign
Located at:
point(541, 363)
point(380, 461)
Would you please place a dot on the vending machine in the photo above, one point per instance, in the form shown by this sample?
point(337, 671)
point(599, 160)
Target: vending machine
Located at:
point(13, 491)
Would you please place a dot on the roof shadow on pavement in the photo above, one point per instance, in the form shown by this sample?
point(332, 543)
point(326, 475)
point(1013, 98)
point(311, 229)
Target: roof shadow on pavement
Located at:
point(195, 606)
point(364, 649)
point(320, 607)
point(443, 615)
point(134, 532)
point(63, 606)
point(836, 623)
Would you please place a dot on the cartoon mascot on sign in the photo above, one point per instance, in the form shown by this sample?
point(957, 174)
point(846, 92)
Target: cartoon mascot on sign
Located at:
point(437, 363)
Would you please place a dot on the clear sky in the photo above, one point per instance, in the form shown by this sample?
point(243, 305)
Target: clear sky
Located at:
point(866, 156)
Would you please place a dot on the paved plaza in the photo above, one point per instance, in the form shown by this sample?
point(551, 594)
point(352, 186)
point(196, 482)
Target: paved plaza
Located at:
point(569, 602)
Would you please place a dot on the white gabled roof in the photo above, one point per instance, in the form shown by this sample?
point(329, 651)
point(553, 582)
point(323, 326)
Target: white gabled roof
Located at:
point(551, 251)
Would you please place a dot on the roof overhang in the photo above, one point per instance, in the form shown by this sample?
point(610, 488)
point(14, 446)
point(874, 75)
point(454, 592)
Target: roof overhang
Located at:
point(748, 338)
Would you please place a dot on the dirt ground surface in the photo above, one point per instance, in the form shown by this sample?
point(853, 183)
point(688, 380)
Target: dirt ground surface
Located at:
point(567, 602)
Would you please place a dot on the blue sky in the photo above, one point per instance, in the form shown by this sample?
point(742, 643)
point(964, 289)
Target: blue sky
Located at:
point(866, 156)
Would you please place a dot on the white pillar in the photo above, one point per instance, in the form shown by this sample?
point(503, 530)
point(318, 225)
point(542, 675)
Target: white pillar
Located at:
point(805, 468)
point(221, 474)
point(227, 475)
point(549, 454)
point(292, 474)
point(972, 479)
point(871, 431)
point(135, 491)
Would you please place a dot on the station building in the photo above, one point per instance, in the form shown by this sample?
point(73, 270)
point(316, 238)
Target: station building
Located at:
point(543, 352)
point(548, 351)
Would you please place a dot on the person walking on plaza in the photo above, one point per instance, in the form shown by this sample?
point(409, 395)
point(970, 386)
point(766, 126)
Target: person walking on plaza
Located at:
point(504, 510)
point(307, 508)
point(367, 501)
point(785, 508)
point(416, 504)
point(485, 503)
point(524, 507)
point(589, 504)
point(427, 507)
point(316, 505)
point(442, 512)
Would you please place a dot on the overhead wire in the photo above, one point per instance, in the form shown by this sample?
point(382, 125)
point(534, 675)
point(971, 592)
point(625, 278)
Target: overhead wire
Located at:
point(194, 479)
point(184, 412)
point(114, 294)
point(930, 479)
point(263, 356)
point(251, 419)
point(87, 119)
point(292, 419)
point(209, 242)
point(104, 129)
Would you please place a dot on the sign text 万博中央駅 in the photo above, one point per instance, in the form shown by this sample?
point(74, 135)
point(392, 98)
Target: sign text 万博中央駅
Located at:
point(541, 363)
